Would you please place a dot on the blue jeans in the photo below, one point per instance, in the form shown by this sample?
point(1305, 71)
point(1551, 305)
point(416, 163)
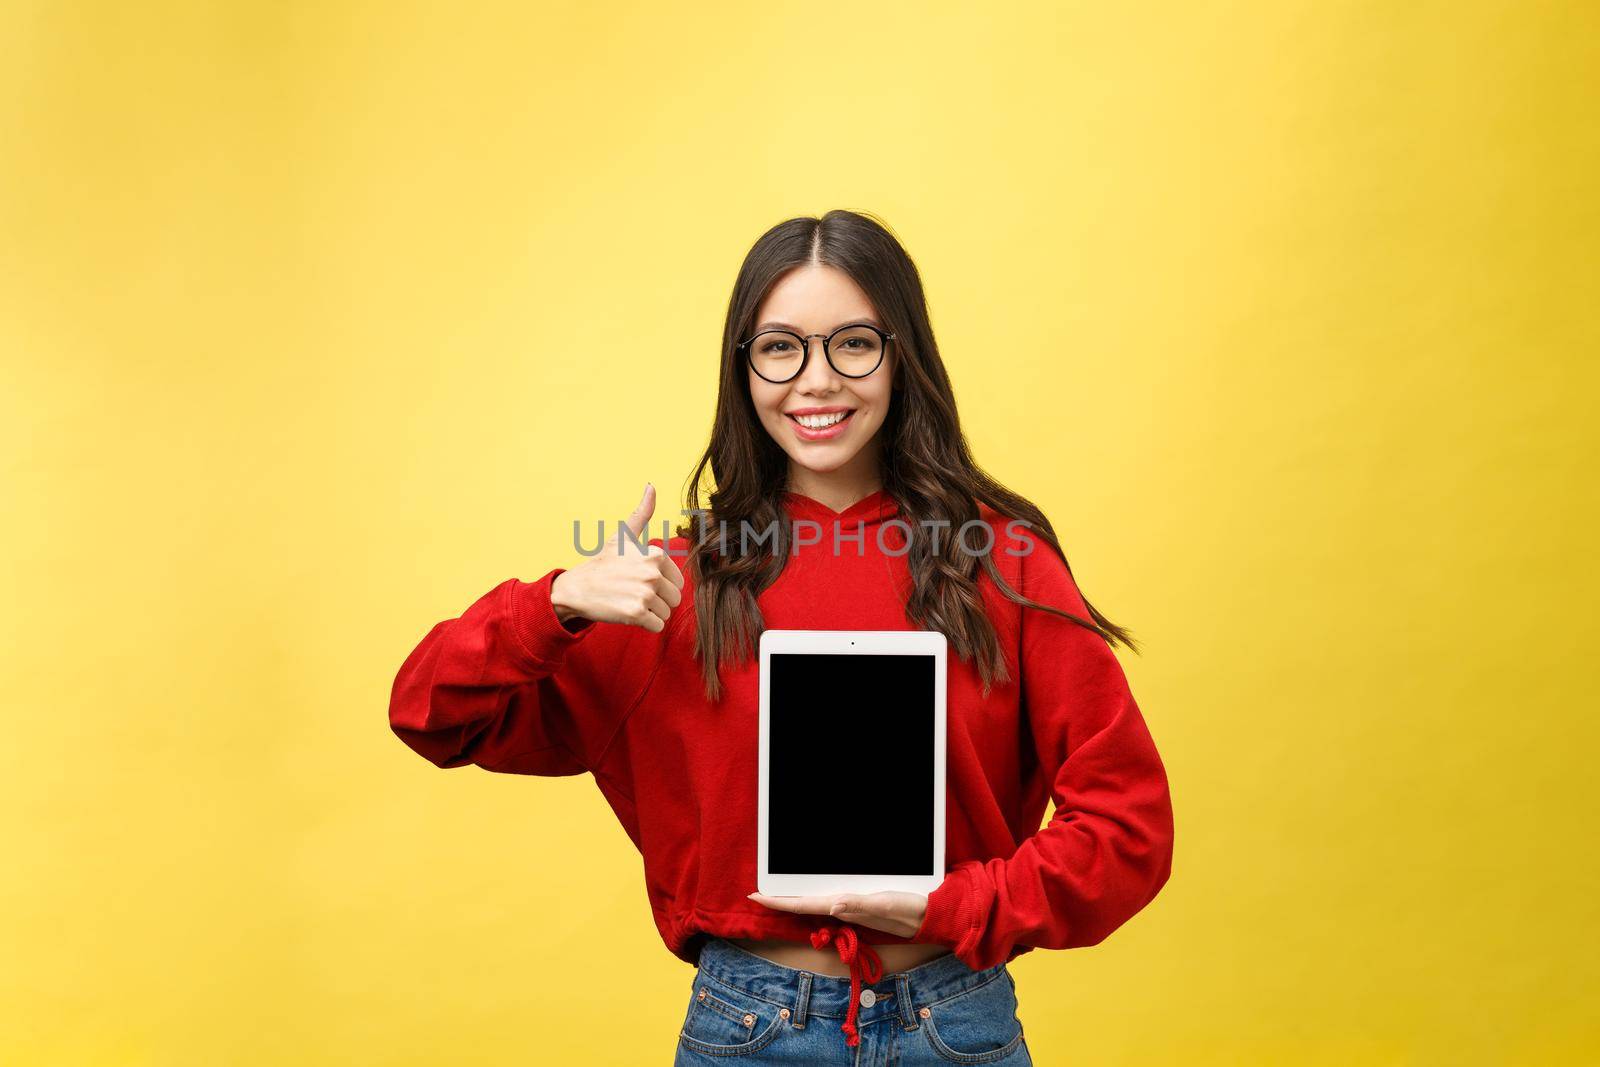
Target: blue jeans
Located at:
point(747, 1008)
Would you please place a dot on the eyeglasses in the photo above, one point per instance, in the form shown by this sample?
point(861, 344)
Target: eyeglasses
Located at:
point(779, 356)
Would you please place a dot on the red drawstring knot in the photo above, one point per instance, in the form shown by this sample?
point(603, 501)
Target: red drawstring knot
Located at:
point(862, 958)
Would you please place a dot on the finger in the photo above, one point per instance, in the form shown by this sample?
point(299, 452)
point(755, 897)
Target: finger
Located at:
point(639, 518)
point(667, 591)
point(663, 559)
point(795, 904)
point(814, 905)
point(872, 906)
point(657, 607)
point(649, 620)
point(674, 573)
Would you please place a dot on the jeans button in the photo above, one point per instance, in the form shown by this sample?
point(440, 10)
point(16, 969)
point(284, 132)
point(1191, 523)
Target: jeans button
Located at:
point(868, 998)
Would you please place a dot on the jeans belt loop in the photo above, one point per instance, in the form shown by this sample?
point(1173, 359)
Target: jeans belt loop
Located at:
point(902, 987)
point(802, 1001)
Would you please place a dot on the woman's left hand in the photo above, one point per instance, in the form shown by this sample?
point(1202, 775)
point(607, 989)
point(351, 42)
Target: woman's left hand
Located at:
point(892, 911)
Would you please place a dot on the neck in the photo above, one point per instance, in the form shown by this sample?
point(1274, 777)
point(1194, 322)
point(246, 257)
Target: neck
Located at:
point(837, 489)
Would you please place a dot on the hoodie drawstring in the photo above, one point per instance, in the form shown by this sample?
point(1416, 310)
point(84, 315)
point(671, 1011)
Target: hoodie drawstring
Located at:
point(862, 959)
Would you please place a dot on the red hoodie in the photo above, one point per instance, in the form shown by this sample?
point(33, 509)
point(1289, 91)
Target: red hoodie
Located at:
point(507, 687)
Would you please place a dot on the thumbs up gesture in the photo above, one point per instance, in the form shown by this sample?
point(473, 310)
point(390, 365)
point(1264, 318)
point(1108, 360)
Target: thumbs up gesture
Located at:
point(623, 583)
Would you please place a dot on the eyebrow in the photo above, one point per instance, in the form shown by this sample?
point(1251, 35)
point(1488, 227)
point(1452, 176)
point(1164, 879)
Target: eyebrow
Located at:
point(866, 320)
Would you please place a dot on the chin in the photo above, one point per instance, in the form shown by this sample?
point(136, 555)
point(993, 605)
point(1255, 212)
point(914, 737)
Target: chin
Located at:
point(810, 463)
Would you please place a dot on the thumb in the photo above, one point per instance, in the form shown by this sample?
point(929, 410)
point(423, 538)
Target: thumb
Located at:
point(640, 518)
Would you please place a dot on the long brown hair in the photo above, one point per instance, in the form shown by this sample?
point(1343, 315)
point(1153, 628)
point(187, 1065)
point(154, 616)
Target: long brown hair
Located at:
point(927, 467)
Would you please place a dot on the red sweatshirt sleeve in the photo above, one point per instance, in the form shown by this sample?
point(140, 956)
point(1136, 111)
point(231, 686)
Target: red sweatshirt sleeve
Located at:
point(503, 687)
point(1107, 849)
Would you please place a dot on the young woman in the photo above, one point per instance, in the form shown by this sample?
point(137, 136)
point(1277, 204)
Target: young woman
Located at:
point(837, 453)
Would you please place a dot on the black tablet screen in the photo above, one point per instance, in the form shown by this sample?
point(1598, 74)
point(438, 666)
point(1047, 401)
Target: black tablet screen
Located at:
point(851, 772)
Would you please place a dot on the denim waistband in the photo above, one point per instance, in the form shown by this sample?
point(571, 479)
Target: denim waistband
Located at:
point(807, 994)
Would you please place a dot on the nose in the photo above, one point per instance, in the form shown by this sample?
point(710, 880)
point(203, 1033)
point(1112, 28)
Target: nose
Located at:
point(819, 375)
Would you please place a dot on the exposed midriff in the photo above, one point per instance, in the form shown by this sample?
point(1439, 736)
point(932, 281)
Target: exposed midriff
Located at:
point(826, 960)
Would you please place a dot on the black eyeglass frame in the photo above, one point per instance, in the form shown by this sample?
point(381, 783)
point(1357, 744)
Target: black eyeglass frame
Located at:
point(827, 353)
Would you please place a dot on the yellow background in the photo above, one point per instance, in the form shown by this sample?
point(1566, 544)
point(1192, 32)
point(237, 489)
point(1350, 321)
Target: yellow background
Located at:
point(320, 320)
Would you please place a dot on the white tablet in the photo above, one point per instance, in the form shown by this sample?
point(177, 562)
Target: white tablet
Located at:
point(852, 761)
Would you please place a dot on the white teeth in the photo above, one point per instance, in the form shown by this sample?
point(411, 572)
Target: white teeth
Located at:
point(817, 422)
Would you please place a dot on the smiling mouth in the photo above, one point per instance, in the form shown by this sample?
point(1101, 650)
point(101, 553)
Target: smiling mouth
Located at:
point(821, 422)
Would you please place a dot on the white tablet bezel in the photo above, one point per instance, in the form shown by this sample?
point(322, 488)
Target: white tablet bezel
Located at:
point(854, 642)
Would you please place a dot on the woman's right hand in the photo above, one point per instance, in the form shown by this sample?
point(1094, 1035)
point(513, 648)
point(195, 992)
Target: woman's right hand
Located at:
point(623, 584)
